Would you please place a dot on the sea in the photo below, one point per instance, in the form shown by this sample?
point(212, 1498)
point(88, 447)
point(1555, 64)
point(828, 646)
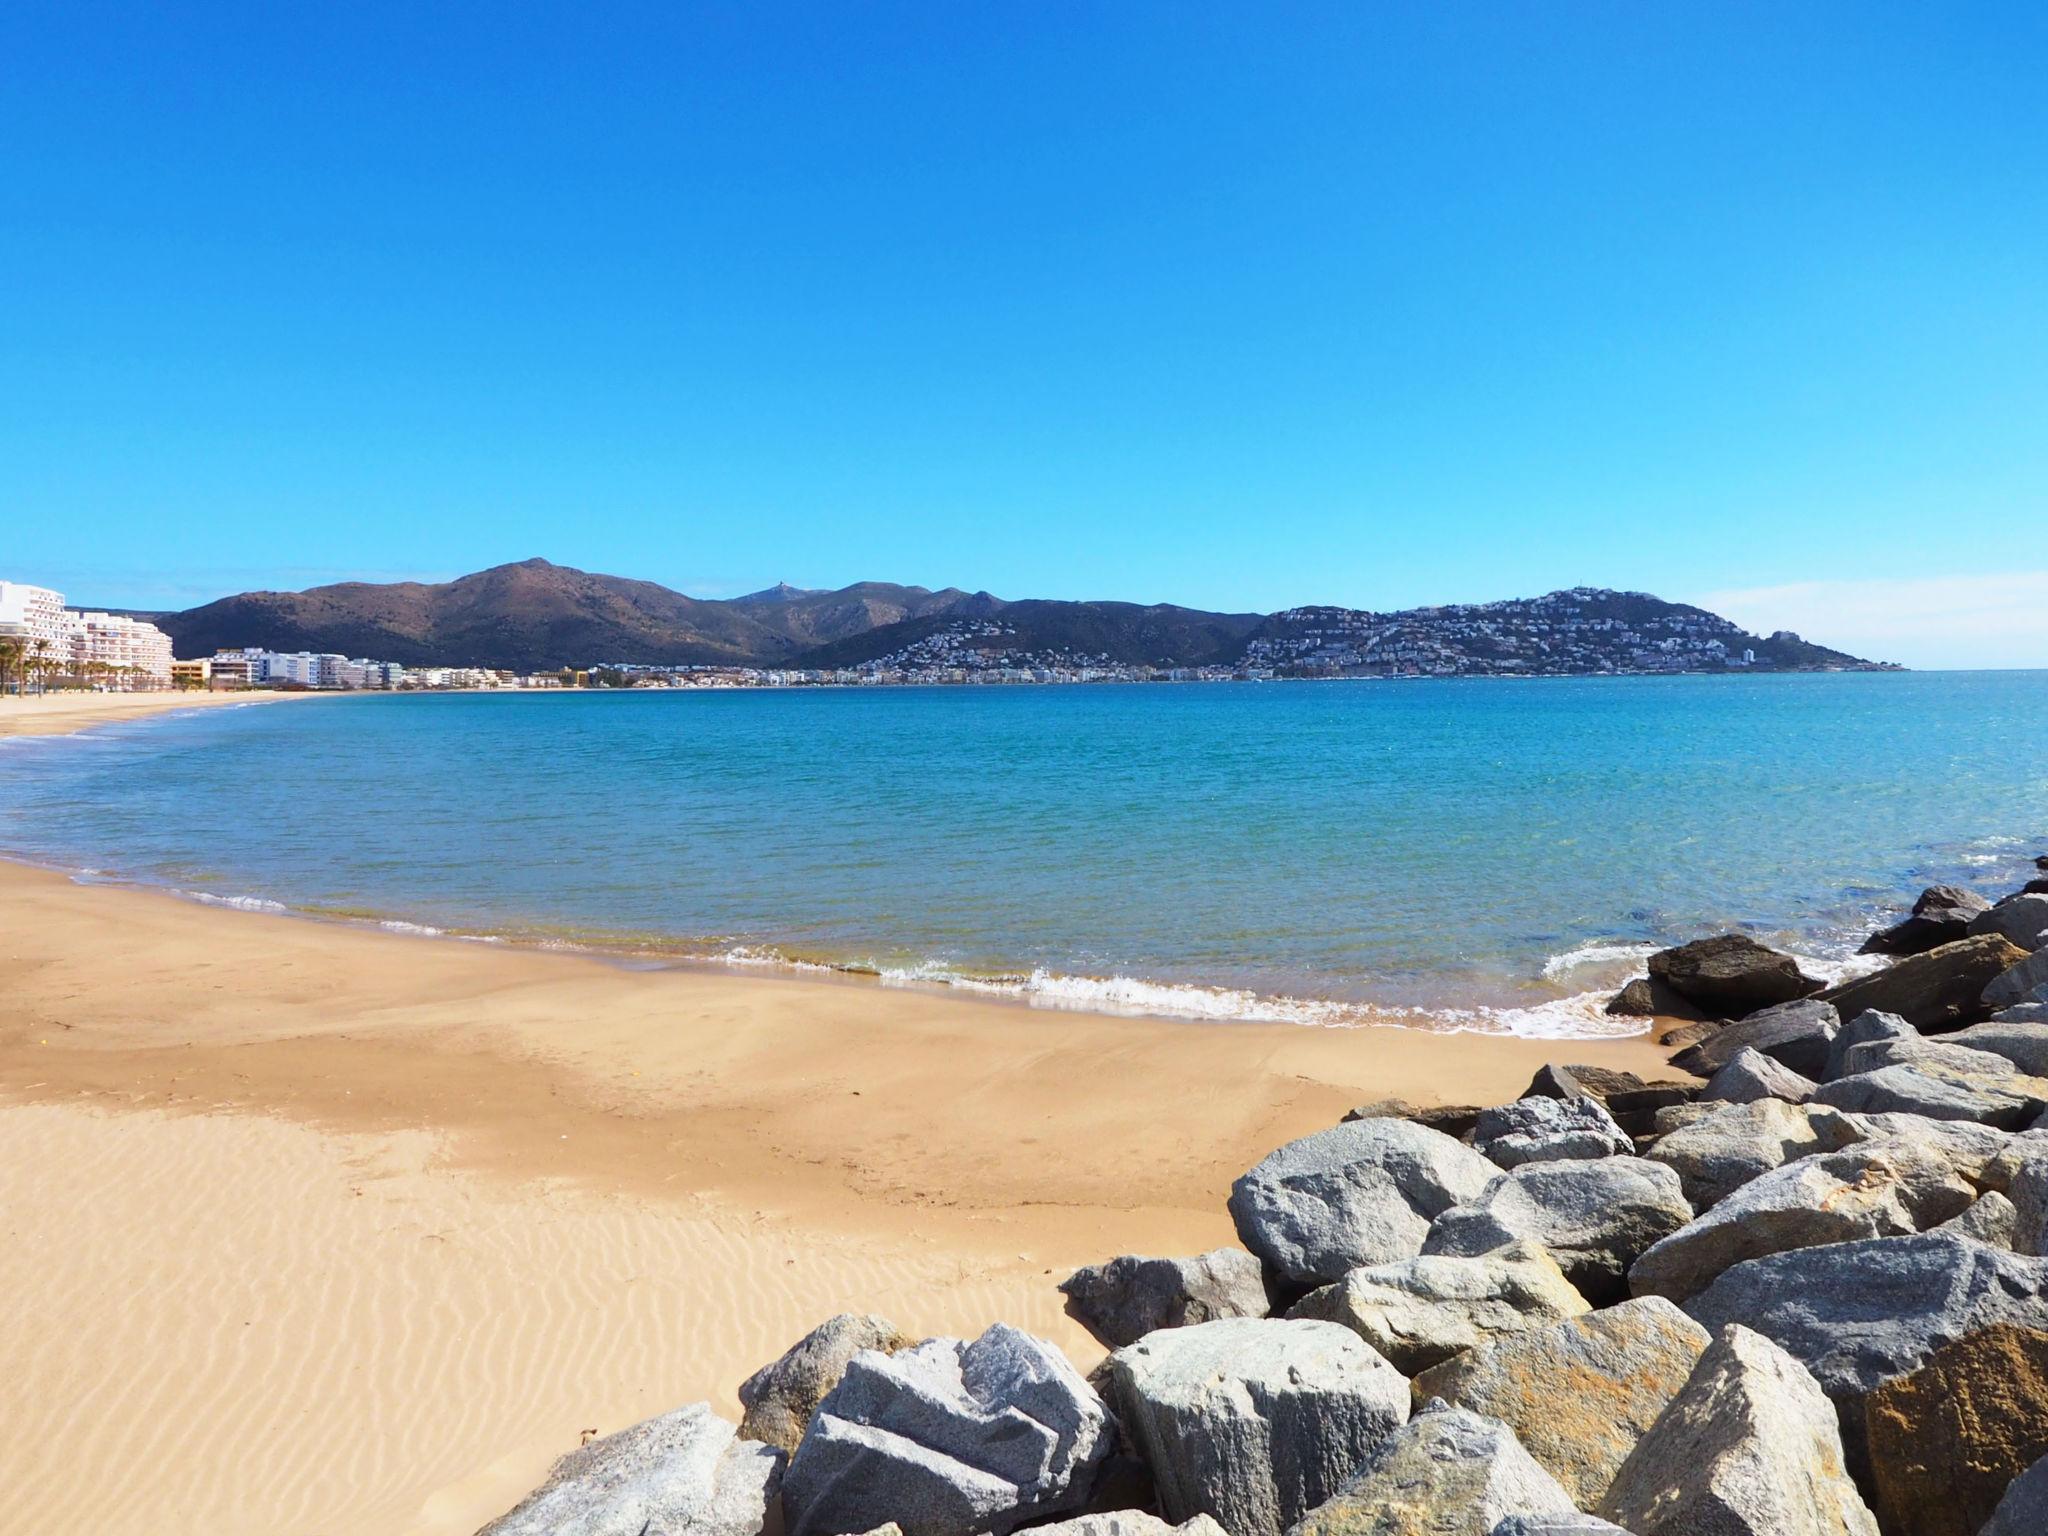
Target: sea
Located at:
point(1493, 855)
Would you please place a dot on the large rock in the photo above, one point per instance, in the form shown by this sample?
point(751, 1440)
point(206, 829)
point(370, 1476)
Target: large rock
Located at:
point(2024, 980)
point(1360, 1193)
point(2022, 1013)
point(1886, 1188)
point(1122, 1301)
point(1941, 916)
point(1254, 1421)
point(2027, 1187)
point(1423, 1311)
point(1447, 1472)
point(1126, 1522)
point(1937, 1090)
point(1454, 1120)
point(780, 1398)
point(1859, 1314)
point(1632, 1102)
point(2023, 1043)
point(1596, 1218)
point(686, 1473)
point(1988, 1159)
point(1731, 974)
point(1649, 998)
point(1946, 1440)
point(2024, 1509)
point(1917, 1051)
point(949, 1438)
point(1864, 1029)
point(1749, 1447)
point(2022, 919)
point(1557, 1525)
point(1716, 1156)
point(1942, 989)
point(1751, 1075)
point(1539, 1130)
point(1578, 1394)
point(1991, 1220)
point(1795, 1035)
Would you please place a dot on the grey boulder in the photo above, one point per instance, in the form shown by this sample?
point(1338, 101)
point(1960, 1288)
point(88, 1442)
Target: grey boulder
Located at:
point(1122, 1301)
point(2022, 919)
point(2024, 982)
point(1557, 1525)
point(1360, 1193)
point(949, 1438)
point(1864, 1029)
point(780, 1398)
point(1422, 1311)
point(1886, 1188)
point(1596, 1218)
point(2024, 1509)
point(1941, 989)
point(1876, 1055)
point(1942, 1089)
point(1715, 1156)
point(1751, 1075)
point(2028, 1191)
point(1749, 1447)
point(1992, 1220)
point(1254, 1421)
point(686, 1473)
point(1447, 1472)
point(1731, 974)
point(1128, 1522)
point(1941, 916)
point(1857, 1315)
point(1795, 1034)
point(1544, 1129)
point(1578, 1394)
point(2023, 1042)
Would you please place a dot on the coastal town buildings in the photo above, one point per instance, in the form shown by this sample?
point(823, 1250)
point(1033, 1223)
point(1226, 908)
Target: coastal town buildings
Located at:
point(64, 644)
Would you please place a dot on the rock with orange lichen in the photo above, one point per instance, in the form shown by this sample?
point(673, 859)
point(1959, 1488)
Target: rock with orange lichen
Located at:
point(1946, 1441)
point(1749, 1447)
point(1579, 1394)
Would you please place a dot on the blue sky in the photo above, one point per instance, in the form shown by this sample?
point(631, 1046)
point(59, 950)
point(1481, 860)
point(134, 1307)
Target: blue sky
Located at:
point(1235, 306)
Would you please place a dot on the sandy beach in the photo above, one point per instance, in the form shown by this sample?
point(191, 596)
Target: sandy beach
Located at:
point(59, 714)
point(313, 1227)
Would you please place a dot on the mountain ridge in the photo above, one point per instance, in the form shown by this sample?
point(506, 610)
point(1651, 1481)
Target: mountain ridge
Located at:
point(534, 615)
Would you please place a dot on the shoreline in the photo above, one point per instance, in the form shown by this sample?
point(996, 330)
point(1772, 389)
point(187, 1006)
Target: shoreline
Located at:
point(419, 1132)
point(66, 714)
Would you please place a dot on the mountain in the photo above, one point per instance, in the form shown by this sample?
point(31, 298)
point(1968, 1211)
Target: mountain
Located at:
point(527, 616)
point(535, 616)
point(813, 617)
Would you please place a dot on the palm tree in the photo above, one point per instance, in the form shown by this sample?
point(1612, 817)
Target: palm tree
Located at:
point(11, 652)
point(45, 663)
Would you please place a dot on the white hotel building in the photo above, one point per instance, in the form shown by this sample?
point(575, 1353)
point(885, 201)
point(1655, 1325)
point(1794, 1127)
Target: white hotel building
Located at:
point(94, 646)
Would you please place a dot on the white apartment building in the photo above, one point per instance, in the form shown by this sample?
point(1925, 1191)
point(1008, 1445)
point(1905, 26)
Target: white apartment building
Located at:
point(133, 650)
point(306, 668)
point(35, 613)
point(102, 646)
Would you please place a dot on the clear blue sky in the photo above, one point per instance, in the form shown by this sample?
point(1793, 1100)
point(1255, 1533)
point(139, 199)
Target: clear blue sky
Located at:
point(1233, 306)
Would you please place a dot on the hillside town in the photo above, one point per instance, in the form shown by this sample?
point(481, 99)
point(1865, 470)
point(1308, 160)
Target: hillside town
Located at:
point(1580, 632)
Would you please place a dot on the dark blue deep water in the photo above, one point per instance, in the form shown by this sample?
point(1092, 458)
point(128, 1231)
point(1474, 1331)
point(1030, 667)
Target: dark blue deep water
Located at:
point(1491, 851)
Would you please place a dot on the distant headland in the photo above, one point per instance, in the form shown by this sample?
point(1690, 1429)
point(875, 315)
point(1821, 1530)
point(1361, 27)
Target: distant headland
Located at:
point(535, 616)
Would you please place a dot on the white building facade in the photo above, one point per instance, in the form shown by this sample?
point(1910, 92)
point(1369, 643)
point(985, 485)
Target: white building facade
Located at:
point(35, 613)
point(99, 647)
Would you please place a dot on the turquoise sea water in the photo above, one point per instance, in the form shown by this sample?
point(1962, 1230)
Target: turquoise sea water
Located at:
point(1493, 852)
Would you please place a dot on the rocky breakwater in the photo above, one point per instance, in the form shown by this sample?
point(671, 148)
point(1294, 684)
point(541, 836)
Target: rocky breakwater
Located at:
point(1798, 1289)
